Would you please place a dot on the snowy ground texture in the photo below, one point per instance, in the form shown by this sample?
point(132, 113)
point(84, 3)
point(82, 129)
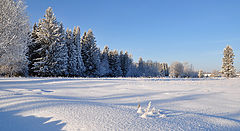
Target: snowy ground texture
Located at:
point(111, 104)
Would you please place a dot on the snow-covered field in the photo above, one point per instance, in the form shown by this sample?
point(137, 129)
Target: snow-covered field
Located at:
point(111, 104)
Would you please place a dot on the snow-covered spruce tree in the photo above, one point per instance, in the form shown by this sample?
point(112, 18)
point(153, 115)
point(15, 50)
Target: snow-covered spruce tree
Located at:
point(164, 69)
point(14, 36)
point(176, 69)
point(132, 69)
point(72, 65)
point(141, 70)
point(104, 65)
point(125, 62)
point(59, 64)
point(128, 62)
point(52, 60)
point(117, 72)
point(122, 63)
point(80, 68)
point(32, 47)
point(228, 69)
point(114, 64)
point(90, 55)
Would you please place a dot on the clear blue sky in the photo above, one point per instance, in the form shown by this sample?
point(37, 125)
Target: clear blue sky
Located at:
point(194, 31)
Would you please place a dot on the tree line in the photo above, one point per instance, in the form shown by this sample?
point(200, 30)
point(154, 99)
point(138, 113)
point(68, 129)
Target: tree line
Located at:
point(54, 52)
point(51, 51)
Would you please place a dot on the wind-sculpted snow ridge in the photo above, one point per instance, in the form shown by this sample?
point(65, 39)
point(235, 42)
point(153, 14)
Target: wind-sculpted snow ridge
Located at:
point(119, 104)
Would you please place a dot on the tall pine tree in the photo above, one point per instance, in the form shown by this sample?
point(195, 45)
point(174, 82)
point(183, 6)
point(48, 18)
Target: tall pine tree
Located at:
point(104, 65)
point(114, 64)
point(72, 65)
point(125, 61)
point(228, 69)
point(141, 67)
point(52, 51)
point(32, 47)
point(90, 54)
point(80, 68)
point(132, 68)
point(59, 64)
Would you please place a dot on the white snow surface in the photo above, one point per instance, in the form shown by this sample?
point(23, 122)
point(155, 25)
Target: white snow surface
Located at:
point(77, 104)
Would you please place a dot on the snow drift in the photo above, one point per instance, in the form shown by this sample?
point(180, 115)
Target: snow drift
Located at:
point(112, 104)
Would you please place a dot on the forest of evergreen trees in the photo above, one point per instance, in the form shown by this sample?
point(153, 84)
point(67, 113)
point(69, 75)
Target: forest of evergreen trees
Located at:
point(54, 52)
point(48, 50)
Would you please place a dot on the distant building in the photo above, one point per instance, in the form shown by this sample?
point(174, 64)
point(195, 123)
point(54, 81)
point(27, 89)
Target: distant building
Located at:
point(207, 75)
